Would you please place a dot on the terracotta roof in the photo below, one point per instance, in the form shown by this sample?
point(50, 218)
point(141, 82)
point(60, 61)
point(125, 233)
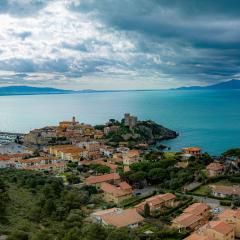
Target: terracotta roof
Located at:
point(107, 211)
point(192, 149)
point(122, 190)
point(156, 200)
point(187, 219)
point(132, 153)
point(215, 167)
point(196, 236)
point(196, 208)
point(124, 186)
point(122, 218)
point(102, 178)
point(221, 227)
point(230, 213)
point(4, 158)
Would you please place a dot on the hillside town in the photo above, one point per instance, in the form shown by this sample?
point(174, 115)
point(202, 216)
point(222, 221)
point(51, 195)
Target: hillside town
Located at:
point(138, 186)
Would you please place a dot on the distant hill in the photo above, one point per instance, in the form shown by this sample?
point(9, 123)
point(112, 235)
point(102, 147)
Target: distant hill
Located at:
point(228, 85)
point(26, 90)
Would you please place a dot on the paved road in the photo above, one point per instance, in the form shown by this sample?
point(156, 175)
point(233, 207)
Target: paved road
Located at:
point(213, 203)
point(144, 191)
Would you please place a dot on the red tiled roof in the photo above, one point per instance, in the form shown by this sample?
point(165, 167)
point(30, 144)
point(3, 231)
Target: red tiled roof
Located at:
point(4, 158)
point(230, 213)
point(116, 191)
point(187, 219)
point(215, 167)
point(123, 218)
point(221, 227)
point(192, 149)
point(197, 208)
point(124, 186)
point(155, 200)
point(102, 178)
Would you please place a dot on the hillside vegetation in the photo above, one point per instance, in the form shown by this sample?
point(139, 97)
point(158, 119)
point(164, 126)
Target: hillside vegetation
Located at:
point(36, 206)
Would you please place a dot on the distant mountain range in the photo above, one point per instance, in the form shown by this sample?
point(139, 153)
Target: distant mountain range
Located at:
point(26, 90)
point(228, 85)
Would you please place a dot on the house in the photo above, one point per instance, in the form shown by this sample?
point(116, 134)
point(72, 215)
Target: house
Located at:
point(199, 209)
point(96, 216)
point(193, 151)
point(225, 191)
point(188, 221)
point(97, 180)
point(217, 230)
point(11, 160)
point(118, 193)
point(6, 162)
point(126, 169)
point(106, 151)
point(98, 134)
point(158, 202)
point(196, 236)
point(215, 169)
point(118, 217)
point(69, 152)
point(193, 217)
point(56, 167)
point(231, 217)
point(132, 156)
point(92, 146)
point(112, 166)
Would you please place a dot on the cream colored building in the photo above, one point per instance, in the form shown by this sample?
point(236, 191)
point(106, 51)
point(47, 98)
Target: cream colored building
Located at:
point(217, 230)
point(116, 194)
point(132, 156)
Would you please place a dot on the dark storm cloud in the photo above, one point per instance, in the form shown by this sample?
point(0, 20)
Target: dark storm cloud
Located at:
point(186, 41)
point(198, 38)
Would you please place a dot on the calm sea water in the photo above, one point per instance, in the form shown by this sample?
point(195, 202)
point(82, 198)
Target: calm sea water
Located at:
point(209, 119)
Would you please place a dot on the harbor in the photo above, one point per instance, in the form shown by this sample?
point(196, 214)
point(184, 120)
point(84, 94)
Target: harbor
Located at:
point(7, 137)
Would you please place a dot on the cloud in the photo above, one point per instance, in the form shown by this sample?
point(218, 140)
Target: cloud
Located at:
point(22, 8)
point(120, 44)
point(24, 35)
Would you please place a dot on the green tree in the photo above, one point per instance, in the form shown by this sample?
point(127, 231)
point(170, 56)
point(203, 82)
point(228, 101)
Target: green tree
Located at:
point(18, 235)
point(73, 178)
point(157, 175)
point(119, 234)
point(4, 198)
point(146, 210)
point(93, 231)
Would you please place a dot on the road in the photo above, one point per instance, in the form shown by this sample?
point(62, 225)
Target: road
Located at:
point(213, 203)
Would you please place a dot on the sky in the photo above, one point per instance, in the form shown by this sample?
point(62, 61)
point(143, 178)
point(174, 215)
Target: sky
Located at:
point(119, 44)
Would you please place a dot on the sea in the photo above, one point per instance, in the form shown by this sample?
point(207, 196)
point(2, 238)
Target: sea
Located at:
point(209, 119)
